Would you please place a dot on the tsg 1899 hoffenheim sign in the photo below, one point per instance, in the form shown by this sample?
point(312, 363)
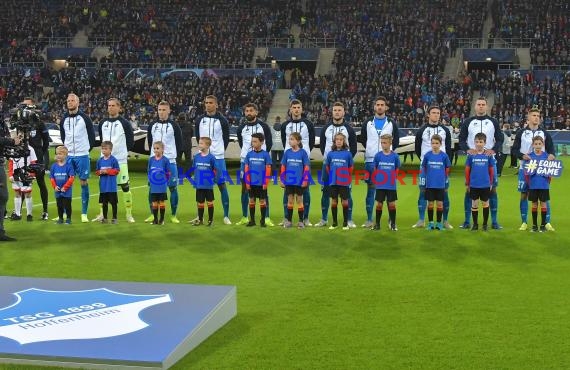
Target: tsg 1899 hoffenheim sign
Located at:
point(87, 314)
point(107, 324)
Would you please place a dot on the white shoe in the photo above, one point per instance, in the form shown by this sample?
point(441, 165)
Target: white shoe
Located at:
point(227, 221)
point(84, 218)
point(99, 218)
point(419, 225)
point(130, 219)
point(194, 220)
point(368, 224)
point(447, 225)
point(321, 223)
point(351, 224)
point(307, 222)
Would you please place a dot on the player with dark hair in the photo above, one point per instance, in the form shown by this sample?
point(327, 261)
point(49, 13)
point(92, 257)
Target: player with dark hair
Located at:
point(436, 166)
point(479, 173)
point(119, 132)
point(245, 132)
point(488, 125)
point(422, 146)
point(295, 169)
point(386, 165)
point(257, 174)
point(298, 123)
point(337, 125)
point(339, 165)
point(215, 126)
point(522, 147)
point(169, 133)
point(372, 130)
point(538, 185)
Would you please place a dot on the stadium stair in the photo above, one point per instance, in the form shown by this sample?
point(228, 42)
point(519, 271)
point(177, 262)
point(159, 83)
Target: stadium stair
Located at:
point(280, 106)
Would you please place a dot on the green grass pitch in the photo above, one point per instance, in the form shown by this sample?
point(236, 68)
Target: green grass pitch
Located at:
point(320, 299)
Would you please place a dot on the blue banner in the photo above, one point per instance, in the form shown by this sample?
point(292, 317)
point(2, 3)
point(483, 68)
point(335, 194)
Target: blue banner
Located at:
point(543, 167)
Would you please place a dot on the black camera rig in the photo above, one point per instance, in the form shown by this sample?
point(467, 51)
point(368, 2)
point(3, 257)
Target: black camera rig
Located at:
point(24, 119)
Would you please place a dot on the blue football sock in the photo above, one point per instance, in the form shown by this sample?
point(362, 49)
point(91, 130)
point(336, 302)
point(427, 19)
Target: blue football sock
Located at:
point(307, 202)
point(524, 210)
point(445, 206)
point(467, 208)
point(225, 201)
point(84, 198)
point(548, 212)
point(244, 203)
point(494, 205)
point(173, 199)
point(422, 204)
point(369, 203)
point(325, 203)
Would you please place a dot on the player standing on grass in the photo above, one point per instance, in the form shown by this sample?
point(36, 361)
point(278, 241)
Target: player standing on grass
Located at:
point(339, 165)
point(538, 185)
point(386, 165)
point(168, 132)
point(204, 179)
point(422, 146)
point(295, 169)
point(479, 175)
point(215, 126)
point(303, 126)
point(119, 132)
point(245, 131)
point(372, 130)
point(436, 166)
point(78, 137)
point(257, 174)
point(482, 122)
point(522, 147)
point(337, 125)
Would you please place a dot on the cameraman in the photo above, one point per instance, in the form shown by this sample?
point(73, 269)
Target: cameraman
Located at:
point(5, 140)
point(39, 141)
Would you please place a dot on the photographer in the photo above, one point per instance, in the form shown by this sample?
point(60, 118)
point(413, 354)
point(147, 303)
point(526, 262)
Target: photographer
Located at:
point(5, 141)
point(39, 141)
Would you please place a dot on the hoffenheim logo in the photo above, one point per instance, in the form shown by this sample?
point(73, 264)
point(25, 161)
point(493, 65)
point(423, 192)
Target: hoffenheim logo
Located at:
point(43, 315)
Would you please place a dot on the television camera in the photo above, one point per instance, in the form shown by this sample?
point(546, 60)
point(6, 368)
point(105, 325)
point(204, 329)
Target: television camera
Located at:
point(24, 119)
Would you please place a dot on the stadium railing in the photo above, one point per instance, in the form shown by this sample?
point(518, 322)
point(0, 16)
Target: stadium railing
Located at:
point(318, 42)
point(23, 64)
point(517, 42)
point(95, 41)
point(509, 66)
point(545, 67)
point(275, 42)
point(55, 41)
point(166, 65)
point(468, 43)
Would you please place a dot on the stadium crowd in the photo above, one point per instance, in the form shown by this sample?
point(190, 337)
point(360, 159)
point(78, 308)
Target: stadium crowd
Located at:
point(198, 33)
point(398, 50)
point(548, 25)
point(140, 95)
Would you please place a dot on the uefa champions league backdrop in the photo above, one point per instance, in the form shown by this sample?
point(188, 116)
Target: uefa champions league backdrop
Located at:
point(97, 324)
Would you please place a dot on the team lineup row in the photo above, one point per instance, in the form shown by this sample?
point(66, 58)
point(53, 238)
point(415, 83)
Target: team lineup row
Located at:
point(212, 132)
